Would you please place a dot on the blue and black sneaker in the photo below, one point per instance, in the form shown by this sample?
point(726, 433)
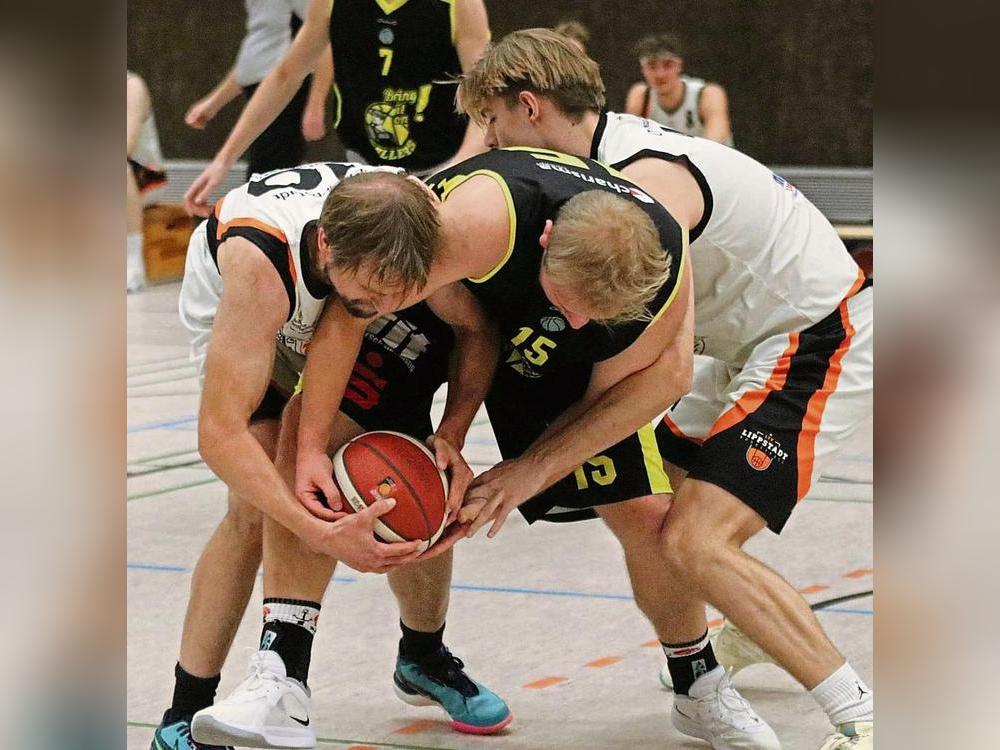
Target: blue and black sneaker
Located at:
point(175, 734)
point(439, 679)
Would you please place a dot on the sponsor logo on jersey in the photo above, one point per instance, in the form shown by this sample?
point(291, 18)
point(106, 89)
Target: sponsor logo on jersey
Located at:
point(763, 450)
point(699, 344)
point(522, 366)
point(386, 36)
point(618, 187)
point(785, 184)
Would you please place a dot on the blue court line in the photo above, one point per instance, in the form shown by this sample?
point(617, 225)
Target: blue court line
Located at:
point(493, 589)
point(165, 424)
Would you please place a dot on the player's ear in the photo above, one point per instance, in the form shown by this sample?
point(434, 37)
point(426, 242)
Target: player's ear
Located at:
point(530, 102)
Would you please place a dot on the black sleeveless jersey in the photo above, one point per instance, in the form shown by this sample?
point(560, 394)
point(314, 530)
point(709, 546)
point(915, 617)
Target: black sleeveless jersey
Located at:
point(537, 183)
point(394, 63)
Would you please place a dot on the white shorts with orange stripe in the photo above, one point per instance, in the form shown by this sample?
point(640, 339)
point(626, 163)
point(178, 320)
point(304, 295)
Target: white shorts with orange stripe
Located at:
point(765, 432)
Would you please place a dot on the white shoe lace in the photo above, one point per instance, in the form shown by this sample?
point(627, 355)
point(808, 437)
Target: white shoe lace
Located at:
point(727, 706)
point(261, 683)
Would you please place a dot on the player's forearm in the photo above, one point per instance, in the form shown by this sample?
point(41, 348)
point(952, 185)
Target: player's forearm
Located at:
point(585, 430)
point(267, 102)
point(227, 90)
point(322, 79)
point(328, 369)
point(473, 361)
point(238, 460)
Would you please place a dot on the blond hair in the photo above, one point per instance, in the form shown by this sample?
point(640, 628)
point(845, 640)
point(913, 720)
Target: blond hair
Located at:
point(575, 31)
point(542, 61)
point(608, 251)
point(385, 223)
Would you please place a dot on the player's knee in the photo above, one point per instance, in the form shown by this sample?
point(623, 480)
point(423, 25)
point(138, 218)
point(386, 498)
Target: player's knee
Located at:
point(244, 520)
point(637, 521)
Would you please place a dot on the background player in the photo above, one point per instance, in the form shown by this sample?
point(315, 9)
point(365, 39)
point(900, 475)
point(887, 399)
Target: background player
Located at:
point(389, 62)
point(256, 279)
point(270, 27)
point(777, 299)
point(684, 103)
point(573, 399)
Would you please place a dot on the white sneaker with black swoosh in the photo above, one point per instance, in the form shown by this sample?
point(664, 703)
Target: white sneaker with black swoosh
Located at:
point(715, 712)
point(268, 709)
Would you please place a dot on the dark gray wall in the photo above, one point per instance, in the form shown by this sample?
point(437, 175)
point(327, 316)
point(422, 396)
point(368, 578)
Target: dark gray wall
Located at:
point(799, 73)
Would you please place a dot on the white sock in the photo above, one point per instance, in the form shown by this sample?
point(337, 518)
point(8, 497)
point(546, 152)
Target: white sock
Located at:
point(845, 697)
point(135, 270)
point(706, 683)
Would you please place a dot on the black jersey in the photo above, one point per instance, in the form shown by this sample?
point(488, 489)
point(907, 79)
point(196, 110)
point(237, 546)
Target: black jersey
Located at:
point(537, 183)
point(394, 64)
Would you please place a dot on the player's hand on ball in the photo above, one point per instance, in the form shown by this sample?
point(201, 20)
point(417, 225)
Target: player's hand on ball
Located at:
point(494, 494)
point(314, 486)
point(449, 460)
point(351, 540)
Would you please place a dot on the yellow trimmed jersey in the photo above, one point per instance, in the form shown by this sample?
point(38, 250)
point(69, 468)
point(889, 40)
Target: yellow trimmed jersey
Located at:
point(536, 183)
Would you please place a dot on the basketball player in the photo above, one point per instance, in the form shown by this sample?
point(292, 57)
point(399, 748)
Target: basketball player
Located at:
point(390, 60)
point(257, 276)
point(689, 105)
point(779, 304)
point(581, 378)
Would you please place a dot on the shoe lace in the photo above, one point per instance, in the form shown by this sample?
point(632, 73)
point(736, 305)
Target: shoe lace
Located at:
point(447, 669)
point(730, 706)
point(259, 682)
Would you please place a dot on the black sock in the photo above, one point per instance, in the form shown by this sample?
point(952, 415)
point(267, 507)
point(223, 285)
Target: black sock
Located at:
point(415, 645)
point(191, 694)
point(289, 626)
point(689, 661)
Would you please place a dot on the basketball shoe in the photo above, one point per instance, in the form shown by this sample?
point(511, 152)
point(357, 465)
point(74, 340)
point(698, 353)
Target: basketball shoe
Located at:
point(855, 735)
point(733, 650)
point(439, 679)
point(716, 713)
point(268, 709)
point(176, 735)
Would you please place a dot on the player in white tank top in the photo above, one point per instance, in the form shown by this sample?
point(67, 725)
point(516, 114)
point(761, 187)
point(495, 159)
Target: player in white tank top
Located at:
point(786, 316)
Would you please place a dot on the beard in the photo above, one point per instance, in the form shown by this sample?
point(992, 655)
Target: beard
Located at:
point(359, 308)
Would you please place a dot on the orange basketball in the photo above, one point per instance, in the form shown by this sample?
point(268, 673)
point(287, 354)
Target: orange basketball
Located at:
point(389, 464)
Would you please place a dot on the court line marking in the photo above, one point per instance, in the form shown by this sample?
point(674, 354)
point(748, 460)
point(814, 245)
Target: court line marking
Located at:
point(326, 740)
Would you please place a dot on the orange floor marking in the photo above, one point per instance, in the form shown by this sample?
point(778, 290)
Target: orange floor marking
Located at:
point(651, 644)
point(545, 682)
point(859, 573)
point(715, 623)
point(814, 589)
point(606, 661)
point(417, 727)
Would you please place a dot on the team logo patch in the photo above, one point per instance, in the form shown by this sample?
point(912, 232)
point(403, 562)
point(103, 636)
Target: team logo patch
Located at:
point(763, 450)
point(758, 459)
point(553, 323)
point(386, 36)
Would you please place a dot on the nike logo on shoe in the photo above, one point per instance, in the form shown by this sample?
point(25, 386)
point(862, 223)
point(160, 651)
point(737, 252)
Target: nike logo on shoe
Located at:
point(861, 692)
point(303, 722)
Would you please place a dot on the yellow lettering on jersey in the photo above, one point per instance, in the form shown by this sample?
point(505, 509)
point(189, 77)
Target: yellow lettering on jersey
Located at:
point(386, 54)
point(391, 6)
point(550, 155)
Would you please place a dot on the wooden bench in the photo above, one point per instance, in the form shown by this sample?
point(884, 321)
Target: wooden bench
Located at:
point(167, 230)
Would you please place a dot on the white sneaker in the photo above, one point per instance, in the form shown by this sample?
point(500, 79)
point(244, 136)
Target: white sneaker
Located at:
point(733, 650)
point(268, 709)
point(857, 735)
point(716, 713)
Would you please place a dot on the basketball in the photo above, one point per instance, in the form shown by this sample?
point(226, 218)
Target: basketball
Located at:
point(383, 464)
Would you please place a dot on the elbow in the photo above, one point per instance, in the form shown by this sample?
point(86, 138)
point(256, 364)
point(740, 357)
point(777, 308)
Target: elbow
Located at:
point(213, 435)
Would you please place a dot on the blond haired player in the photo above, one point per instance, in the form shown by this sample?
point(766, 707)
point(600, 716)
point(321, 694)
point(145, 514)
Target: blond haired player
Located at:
point(580, 377)
point(257, 276)
point(782, 308)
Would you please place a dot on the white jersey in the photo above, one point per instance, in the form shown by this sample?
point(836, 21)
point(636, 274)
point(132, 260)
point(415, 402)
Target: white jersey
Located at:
point(687, 117)
point(765, 260)
point(273, 210)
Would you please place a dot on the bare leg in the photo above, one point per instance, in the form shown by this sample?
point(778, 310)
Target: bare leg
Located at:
point(223, 579)
point(702, 545)
point(422, 590)
point(676, 612)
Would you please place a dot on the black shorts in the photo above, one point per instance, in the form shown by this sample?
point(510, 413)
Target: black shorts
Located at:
point(764, 433)
point(520, 409)
point(402, 362)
